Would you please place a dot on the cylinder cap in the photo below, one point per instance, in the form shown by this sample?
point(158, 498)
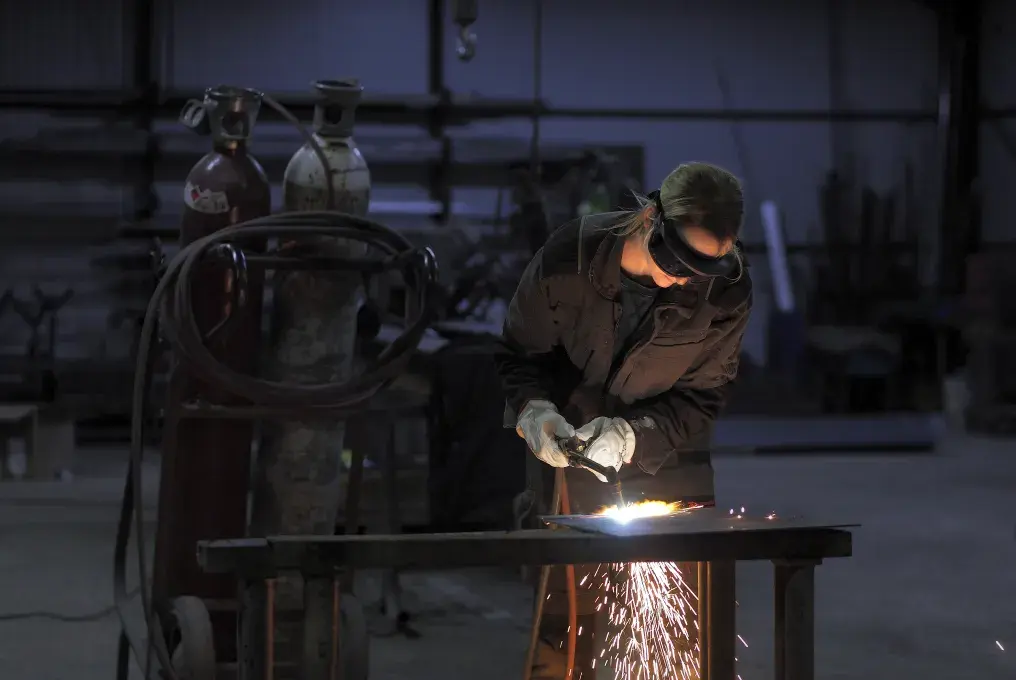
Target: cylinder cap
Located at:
point(335, 111)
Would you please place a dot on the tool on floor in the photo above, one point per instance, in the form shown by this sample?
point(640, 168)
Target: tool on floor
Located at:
point(574, 449)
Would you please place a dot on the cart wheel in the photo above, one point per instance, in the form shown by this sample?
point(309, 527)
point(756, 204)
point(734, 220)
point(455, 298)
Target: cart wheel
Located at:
point(354, 645)
point(191, 635)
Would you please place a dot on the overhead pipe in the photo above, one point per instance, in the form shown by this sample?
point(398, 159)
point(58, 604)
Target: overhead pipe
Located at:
point(419, 109)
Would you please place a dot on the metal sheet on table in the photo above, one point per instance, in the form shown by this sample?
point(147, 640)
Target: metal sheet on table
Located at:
point(695, 522)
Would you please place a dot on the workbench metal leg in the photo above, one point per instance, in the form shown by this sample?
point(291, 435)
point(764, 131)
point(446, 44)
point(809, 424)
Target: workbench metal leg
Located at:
point(256, 634)
point(722, 621)
point(318, 658)
point(703, 619)
point(794, 630)
point(391, 589)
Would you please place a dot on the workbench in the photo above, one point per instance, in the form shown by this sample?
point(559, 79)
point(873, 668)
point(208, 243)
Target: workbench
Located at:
point(712, 538)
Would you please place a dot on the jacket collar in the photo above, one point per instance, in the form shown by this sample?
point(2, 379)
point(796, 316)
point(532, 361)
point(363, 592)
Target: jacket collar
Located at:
point(605, 276)
point(605, 267)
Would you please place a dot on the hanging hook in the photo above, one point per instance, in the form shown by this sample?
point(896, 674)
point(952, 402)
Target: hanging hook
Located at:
point(464, 13)
point(466, 48)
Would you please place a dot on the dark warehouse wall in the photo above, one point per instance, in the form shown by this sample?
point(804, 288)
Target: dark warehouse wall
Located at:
point(640, 54)
point(998, 135)
point(603, 53)
point(861, 55)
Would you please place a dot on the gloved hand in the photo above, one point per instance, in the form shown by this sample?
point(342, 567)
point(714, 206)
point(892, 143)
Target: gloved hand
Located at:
point(611, 442)
point(542, 426)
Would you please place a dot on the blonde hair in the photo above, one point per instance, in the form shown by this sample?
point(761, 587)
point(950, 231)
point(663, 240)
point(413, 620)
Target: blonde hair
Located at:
point(691, 193)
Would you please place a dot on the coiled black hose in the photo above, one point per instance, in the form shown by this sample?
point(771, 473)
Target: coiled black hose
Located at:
point(189, 344)
point(170, 309)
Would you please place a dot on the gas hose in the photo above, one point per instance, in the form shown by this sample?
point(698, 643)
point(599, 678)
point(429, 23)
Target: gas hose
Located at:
point(170, 313)
point(560, 503)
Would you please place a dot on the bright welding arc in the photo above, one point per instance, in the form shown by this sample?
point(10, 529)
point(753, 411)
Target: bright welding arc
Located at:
point(651, 609)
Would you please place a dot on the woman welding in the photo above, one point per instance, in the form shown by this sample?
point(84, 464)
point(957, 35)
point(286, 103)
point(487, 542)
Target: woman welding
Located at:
point(624, 333)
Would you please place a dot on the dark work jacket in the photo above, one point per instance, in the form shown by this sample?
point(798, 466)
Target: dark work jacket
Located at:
point(558, 345)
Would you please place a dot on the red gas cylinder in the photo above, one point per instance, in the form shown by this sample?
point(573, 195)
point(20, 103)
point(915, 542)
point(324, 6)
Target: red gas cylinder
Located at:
point(228, 185)
point(206, 462)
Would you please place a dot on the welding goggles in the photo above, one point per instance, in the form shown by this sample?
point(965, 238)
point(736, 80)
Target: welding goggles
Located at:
point(676, 258)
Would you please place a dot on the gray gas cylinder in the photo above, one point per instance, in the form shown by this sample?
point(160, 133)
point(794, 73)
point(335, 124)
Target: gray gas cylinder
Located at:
point(298, 477)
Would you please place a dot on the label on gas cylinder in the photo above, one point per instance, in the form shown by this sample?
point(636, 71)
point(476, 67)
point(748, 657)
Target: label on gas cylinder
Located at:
point(205, 200)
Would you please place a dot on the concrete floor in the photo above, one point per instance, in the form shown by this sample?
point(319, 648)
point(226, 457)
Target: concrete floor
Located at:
point(927, 595)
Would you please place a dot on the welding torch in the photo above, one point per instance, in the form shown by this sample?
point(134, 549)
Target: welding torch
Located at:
point(574, 449)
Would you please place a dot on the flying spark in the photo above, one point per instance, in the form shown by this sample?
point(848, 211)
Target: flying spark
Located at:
point(999, 645)
point(652, 609)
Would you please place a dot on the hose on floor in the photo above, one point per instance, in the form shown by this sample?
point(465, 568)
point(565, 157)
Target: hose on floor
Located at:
point(170, 312)
point(89, 617)
point(559, 503)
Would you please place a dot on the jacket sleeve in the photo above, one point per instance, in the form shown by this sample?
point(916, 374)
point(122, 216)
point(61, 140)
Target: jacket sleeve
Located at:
point(525, 354)
point(668, 422)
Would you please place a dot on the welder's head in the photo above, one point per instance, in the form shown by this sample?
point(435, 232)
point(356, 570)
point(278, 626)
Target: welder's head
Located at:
point(692, 225)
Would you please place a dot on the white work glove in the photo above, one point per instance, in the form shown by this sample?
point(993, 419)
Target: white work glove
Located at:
point(542, 426)
point(611, 442)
